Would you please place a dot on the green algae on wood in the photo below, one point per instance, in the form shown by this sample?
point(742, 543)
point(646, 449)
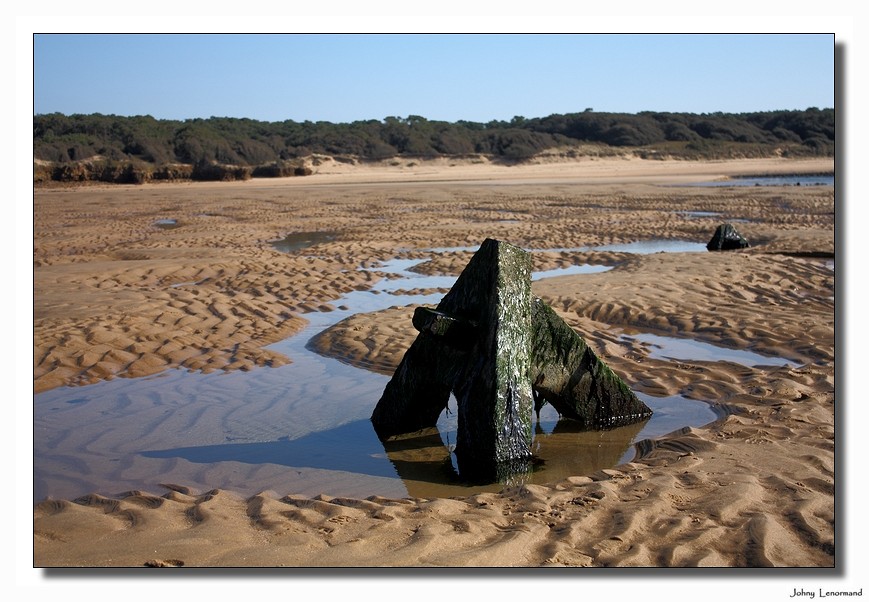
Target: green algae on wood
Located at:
point(726, 238)
point(569, 375)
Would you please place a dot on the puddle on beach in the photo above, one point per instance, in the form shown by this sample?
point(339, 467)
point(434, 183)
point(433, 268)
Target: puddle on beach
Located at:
point(300, 428)
point(570, 271)
point(712, 214)
point(673, 348)
point(647, 247)
point(640, 247)
point(301, 240)
point(167, 224)
point(781, 180)
point(700, 214)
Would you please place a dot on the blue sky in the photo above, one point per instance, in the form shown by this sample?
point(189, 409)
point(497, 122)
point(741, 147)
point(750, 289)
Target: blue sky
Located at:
point(346, 77)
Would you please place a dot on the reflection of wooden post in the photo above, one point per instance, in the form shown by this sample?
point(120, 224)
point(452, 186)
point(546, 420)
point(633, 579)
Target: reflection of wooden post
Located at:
point(496, 349)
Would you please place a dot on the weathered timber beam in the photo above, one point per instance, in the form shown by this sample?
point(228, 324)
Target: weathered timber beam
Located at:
point(566, 373)
point(500, 352)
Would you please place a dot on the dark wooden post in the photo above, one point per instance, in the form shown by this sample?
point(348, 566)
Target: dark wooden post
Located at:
point(476, 344)
point(726, 238)
point(569, 375)
point(497, 350)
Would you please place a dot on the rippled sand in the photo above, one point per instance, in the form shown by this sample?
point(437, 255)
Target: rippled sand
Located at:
point(118, 296)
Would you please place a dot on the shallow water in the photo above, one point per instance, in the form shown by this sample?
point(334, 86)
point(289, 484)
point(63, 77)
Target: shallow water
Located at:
point(673, 348)
point(570, 271)
point(301, 240)
point(301, 428)
point(647, 247)
point(639, 247)
point(783, 180)
point(712, 214)
point(699, 214)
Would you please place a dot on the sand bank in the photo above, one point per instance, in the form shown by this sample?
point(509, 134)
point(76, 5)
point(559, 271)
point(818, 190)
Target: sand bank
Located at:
point(119, 296)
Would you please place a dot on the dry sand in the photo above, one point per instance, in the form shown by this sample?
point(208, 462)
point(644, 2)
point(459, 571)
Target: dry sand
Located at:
point(114, 297)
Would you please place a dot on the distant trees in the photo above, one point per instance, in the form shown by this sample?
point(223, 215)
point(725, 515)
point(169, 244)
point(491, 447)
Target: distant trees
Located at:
point(151, 145)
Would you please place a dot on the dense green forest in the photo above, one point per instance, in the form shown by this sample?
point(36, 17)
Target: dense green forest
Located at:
point(137, 149)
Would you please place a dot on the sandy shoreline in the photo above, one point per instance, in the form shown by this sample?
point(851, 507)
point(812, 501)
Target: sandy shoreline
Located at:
point(117, 296)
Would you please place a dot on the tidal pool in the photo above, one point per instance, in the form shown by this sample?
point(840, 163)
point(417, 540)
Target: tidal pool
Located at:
point(301, 240)
point(780, 180)
point(700, 214)
point(639, 247)
point(300, 428)
point(647, 247)
point(674, 348)
point(711, 214)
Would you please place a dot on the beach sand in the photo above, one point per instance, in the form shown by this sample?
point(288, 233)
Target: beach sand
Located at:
point(119, 295)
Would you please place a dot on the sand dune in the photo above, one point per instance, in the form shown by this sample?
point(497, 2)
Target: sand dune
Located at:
point(118, 296)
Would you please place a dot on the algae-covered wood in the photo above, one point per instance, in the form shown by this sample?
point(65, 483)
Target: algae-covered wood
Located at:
point(499, 351)
point(490, 307)
point(727, 238)
point(568, 374)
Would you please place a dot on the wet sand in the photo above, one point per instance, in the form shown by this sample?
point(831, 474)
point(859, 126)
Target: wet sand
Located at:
point(119, 296)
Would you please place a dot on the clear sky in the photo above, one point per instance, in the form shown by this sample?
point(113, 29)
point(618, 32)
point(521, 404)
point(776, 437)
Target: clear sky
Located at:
point(347, 77)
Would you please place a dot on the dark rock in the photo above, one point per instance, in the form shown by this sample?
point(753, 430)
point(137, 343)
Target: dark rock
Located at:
point(726, 238)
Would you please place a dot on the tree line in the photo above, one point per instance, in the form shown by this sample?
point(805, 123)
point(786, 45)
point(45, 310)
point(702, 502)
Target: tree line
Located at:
point(116, 148)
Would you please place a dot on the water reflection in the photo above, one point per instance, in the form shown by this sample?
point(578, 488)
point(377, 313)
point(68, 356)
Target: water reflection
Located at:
point(569, 450)
point(351, 447)
point(424, 460)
